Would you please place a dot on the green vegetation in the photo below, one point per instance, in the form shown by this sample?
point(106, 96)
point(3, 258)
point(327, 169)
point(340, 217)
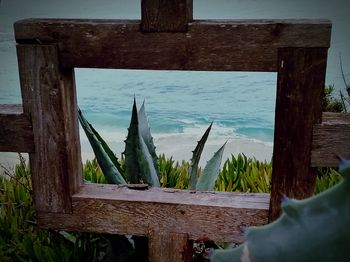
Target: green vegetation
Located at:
point(140, 160)
point(22, 240)
point(345, 98)
point(339, 104)
point(306, 231)
point(173, 175)
point(331, 103)
point(313, 229)
point(244, 174)
point(238, 174)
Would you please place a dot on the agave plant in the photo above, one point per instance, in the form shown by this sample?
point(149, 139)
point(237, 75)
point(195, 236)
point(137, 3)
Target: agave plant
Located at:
point(142, 166)
point(141, 161)
point(104, 155)
point(314, 229)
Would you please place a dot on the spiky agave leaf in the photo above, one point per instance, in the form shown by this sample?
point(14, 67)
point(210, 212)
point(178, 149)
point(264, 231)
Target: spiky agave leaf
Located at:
point(138, 161)
point(132, 146)
point(313, 229)
point(120, 247)
point(109, 152)
point(110, 171)
point(211, 171)
point(148, 171)
point(196, 157)
point(145, 132)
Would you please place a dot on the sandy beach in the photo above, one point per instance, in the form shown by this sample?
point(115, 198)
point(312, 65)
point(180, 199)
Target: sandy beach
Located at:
point(179, 146)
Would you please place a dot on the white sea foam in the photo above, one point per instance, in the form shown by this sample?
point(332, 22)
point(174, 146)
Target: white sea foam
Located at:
point(180, 145)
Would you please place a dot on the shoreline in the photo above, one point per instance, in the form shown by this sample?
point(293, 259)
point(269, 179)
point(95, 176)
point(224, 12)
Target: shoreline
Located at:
point(180, 147)
point(177, 146)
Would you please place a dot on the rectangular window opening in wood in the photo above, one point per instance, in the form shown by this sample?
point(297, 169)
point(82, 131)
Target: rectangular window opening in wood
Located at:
point(50, 49)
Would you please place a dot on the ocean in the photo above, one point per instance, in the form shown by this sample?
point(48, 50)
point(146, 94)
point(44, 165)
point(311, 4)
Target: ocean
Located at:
point(180, 104)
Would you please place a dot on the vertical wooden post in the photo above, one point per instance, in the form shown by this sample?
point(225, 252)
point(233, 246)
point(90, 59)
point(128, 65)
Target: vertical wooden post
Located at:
point(169, 247)
point(166, 16)
point(49, 97)
point(300, 85)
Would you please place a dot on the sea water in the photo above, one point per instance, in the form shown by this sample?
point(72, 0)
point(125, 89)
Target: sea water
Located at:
point(180, 105)
point(178, 102)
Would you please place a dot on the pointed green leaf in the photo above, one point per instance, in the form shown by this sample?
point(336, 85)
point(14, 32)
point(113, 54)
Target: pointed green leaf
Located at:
point(111, 173)
point(145, 132)
point(138, 161)
point(132, 146)
point(211, 171)
point(109, 152)
point(70, 237)
point(196, 157)
point(148, 170)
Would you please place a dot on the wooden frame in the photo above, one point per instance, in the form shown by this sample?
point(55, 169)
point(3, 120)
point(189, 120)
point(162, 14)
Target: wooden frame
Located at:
point(49, 49)
point(230, 45)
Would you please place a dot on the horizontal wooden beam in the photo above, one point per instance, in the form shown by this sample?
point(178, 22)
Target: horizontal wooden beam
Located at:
point(202, 215)
point(331, 138)
point(232, 45)
point(16, 134)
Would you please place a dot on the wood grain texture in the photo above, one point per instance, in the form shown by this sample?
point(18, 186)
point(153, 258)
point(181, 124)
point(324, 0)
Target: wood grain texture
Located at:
point(331, 138)
point(236, 45)
point(166, 16)
point(216, 216)
point(300, 86)
point(16, 134)
point(169, 247)
point(48, 94)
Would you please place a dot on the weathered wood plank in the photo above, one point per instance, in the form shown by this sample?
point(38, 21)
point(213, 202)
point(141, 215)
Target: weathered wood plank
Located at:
point(237, 45)
point(216, 216)
point(169, 247)
point(11, 109)
point(300, 85)
point(48, 94)
point(331, 138)
point(16, 134)
point(170, 16)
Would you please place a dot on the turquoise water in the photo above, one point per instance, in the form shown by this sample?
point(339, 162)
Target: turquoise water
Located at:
point(177, 102)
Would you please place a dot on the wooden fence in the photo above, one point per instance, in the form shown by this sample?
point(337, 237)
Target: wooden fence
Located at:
point(167, 38)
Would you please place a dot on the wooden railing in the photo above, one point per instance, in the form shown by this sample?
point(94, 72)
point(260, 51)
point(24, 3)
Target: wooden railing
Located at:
point(167, 38)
